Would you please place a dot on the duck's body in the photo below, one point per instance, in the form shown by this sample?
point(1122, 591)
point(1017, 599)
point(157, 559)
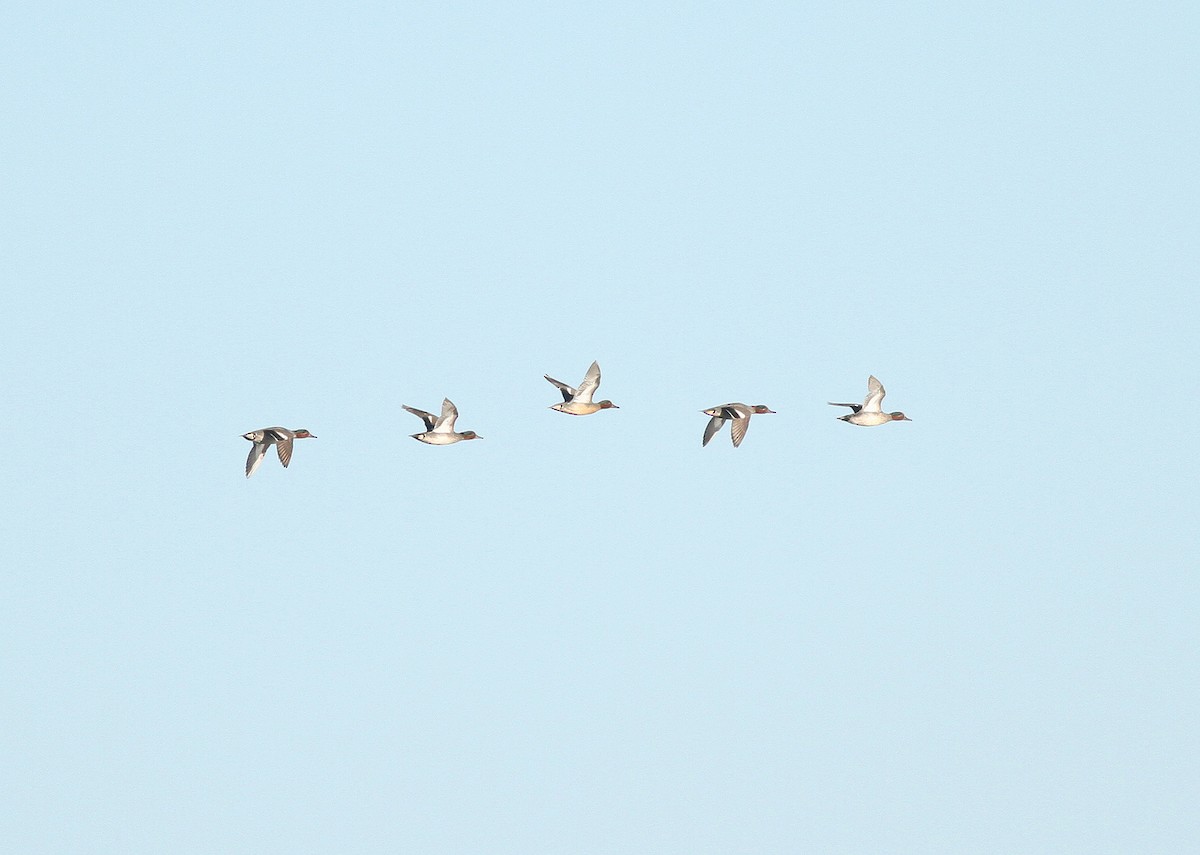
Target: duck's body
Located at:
point(431, 437)
point(870, 412)
point(865, 419)
point(439, 430)
point(578, 402)
point(737, 414)
point(584, 408)
point(264, 438)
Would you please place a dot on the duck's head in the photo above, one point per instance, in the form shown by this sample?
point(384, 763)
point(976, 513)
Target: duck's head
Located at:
point(762, 408)
point(302, 433)
point(470, 434)
point(608, 405)
point(899, 417)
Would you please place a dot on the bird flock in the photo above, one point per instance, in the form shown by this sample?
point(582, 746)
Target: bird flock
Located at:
point(577, 401)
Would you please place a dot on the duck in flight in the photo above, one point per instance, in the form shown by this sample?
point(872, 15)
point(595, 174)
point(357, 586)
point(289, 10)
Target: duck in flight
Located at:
point(870, 412)
point(279, 437)
point(738, 415)
point(578, 402)
point(439, 430)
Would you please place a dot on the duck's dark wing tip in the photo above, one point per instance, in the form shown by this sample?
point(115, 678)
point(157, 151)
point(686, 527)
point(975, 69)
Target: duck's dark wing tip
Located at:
point(567, 392)
point(429, 418)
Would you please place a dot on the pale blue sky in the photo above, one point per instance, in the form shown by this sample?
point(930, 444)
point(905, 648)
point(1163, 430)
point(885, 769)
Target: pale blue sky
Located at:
point(975, 632)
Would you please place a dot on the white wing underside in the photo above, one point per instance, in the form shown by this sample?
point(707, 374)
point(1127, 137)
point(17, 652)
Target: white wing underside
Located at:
point(714, 425)
point(445, 423)
point(257, 451)
point(591, 381)
point(875, 393)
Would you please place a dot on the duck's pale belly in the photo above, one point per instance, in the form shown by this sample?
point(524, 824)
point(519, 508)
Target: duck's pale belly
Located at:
point(577, 409)
point(434, 438)
point(869, 419)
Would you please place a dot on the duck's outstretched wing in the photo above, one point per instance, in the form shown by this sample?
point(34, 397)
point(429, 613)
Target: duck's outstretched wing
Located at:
point(855, 407)
point(429, 418)
point(568, 392)
point(445, 422)
point(257, 451)
point(591, 382)
point(710, 430)
point(284, 447)
point(738, 428)
point(875, 393)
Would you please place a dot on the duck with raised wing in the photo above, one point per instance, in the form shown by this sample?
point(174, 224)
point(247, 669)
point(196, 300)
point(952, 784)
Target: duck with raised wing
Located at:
point(738, 415)
point(279, 437)
point(439, 430)
point(578, 402)
point(870, 412)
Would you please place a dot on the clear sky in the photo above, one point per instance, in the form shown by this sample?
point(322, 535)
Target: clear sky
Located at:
point(975, 632)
